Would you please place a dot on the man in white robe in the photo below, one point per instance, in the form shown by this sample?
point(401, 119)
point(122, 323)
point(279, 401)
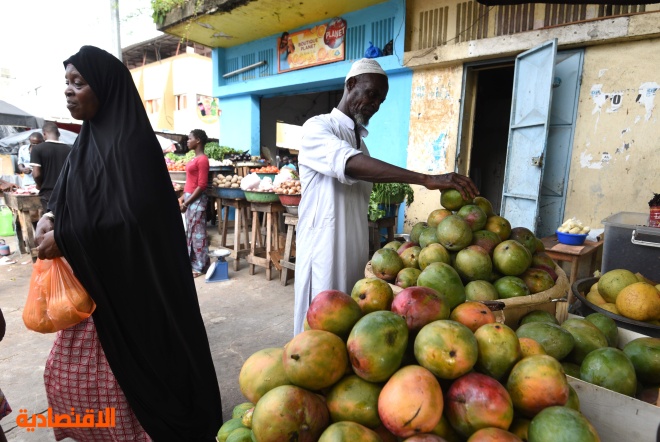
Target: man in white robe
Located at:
point(336, 173)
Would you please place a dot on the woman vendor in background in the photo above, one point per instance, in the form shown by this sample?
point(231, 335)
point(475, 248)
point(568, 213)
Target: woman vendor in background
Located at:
point(193, 203)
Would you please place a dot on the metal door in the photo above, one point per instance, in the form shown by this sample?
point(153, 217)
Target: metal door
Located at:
point(528, 134)
point(565, 93)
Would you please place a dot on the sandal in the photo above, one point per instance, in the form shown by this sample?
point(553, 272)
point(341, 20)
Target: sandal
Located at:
point(196, 274)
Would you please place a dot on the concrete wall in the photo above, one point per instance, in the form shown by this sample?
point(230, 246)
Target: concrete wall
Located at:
point(265, 82)
point(185, 74)
point(614, 166)
point(434, 116)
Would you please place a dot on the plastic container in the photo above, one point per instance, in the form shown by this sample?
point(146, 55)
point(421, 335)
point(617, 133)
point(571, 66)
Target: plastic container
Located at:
point(571, 239)
point(229, 193)
point(289, 200)
point(6, 221)
point(262, 197)
point(631, 244)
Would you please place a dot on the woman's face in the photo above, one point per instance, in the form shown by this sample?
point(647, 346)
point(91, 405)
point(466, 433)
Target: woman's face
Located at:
point(192, 141)
point(80, 98)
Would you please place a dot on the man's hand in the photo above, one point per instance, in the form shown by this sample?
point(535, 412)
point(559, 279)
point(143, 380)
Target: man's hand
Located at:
point(453, 180)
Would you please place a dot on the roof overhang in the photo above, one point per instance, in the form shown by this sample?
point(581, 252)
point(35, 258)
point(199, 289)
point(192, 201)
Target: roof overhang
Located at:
point(228, 23)
point(568, 2)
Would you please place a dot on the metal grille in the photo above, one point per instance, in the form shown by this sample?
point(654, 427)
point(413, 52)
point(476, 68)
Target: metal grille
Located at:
point(231, 66)
point(611, 10)
point(511, 19)
point(471, 21)
point(433, 27)
point(382, 32)
point(247, 60)
point(561, 14)
point(355, 42)
point(268, 55)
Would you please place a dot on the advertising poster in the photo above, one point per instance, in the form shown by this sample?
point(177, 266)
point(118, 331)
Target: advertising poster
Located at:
point(208, 109)
point(320, 44)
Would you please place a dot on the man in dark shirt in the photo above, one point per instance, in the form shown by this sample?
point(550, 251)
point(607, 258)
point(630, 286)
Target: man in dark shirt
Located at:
point(48, 158)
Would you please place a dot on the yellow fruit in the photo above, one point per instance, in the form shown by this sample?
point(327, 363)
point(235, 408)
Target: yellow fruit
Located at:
point(594, 287)
point(530, 347)
point(612, 282)
point(639, 301)
point(610, 307)
point(595, 298)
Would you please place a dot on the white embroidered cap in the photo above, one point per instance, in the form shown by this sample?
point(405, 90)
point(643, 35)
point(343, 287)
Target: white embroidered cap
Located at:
point(365, 66)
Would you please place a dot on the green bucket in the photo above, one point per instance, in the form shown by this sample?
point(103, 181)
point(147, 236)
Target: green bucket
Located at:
point(6, 222)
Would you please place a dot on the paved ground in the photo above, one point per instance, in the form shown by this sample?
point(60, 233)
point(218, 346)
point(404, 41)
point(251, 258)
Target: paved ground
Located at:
point(242, 315)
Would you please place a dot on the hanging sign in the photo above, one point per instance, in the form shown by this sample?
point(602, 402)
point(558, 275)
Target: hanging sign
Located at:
point(321, 44)
point(208, 109)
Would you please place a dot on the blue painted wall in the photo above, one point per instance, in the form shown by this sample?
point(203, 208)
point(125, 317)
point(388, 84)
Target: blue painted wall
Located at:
point(240, 94)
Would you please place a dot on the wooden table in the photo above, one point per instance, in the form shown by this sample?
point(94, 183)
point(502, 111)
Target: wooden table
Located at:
point(572, 254)
point(374, 232)
point(241, 247)
point(22, 205)
point(260, 256)
point(287, 262)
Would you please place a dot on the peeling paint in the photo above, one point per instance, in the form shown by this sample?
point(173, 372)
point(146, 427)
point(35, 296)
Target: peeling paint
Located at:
point(586, 162)
point(598, 98)
point(646, 97)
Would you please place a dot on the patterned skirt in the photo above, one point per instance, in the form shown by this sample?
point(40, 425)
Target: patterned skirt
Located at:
point(198, 245)
point(78, 376)
point(5, 409)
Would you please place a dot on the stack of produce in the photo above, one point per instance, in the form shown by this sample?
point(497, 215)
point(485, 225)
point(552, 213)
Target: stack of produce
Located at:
point(467, 252)
point(266, 169)
point(252, 183)
point(291, 187)
point(626, 294)
point(574, 226)
point(229, 181)
point(372, 366)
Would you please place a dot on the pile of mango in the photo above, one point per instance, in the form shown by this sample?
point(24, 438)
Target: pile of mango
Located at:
point(467, 252)
point(372, 366)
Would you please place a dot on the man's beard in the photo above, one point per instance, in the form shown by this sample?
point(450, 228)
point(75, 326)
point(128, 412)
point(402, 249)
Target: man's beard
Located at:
point(362, 120)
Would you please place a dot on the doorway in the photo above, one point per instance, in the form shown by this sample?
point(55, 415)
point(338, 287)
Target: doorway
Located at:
point(291, 109)
point(488, 123)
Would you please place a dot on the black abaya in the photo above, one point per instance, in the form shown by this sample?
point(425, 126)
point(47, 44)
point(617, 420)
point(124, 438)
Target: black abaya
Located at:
point(118, 223)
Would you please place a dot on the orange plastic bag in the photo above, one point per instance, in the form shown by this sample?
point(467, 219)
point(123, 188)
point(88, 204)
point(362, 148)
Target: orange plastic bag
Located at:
point(56, 299)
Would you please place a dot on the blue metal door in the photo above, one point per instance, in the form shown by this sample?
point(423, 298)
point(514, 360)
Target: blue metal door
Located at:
point(528, 134)
point(566, 88)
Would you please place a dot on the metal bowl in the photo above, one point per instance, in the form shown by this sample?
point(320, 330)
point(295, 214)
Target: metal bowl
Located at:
point(261, 197)
point(583, 307)
point(177, 175)
point(293, 210)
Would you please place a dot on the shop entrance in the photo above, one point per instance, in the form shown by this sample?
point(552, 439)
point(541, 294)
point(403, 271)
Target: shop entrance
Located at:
point(516, 133)
point(492, 86)
point(291, 109)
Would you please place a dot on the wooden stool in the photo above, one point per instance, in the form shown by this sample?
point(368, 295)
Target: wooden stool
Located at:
point(261, 255)
point(240, 248)
point(564, 252)
point(287, 263)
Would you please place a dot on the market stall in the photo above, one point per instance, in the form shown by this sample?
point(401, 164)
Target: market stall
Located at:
point(26, 208)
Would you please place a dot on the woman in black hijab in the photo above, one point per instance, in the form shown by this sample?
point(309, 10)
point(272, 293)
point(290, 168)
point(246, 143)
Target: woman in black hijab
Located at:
point(116, 219)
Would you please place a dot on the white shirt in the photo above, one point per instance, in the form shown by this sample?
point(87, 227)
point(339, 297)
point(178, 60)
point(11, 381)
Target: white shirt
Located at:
point(24, 159)
point(332, 239)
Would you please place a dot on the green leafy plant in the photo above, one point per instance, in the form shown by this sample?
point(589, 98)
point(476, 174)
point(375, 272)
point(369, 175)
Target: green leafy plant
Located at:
point(385, 194)
point(163, 7)
point(214, 151)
